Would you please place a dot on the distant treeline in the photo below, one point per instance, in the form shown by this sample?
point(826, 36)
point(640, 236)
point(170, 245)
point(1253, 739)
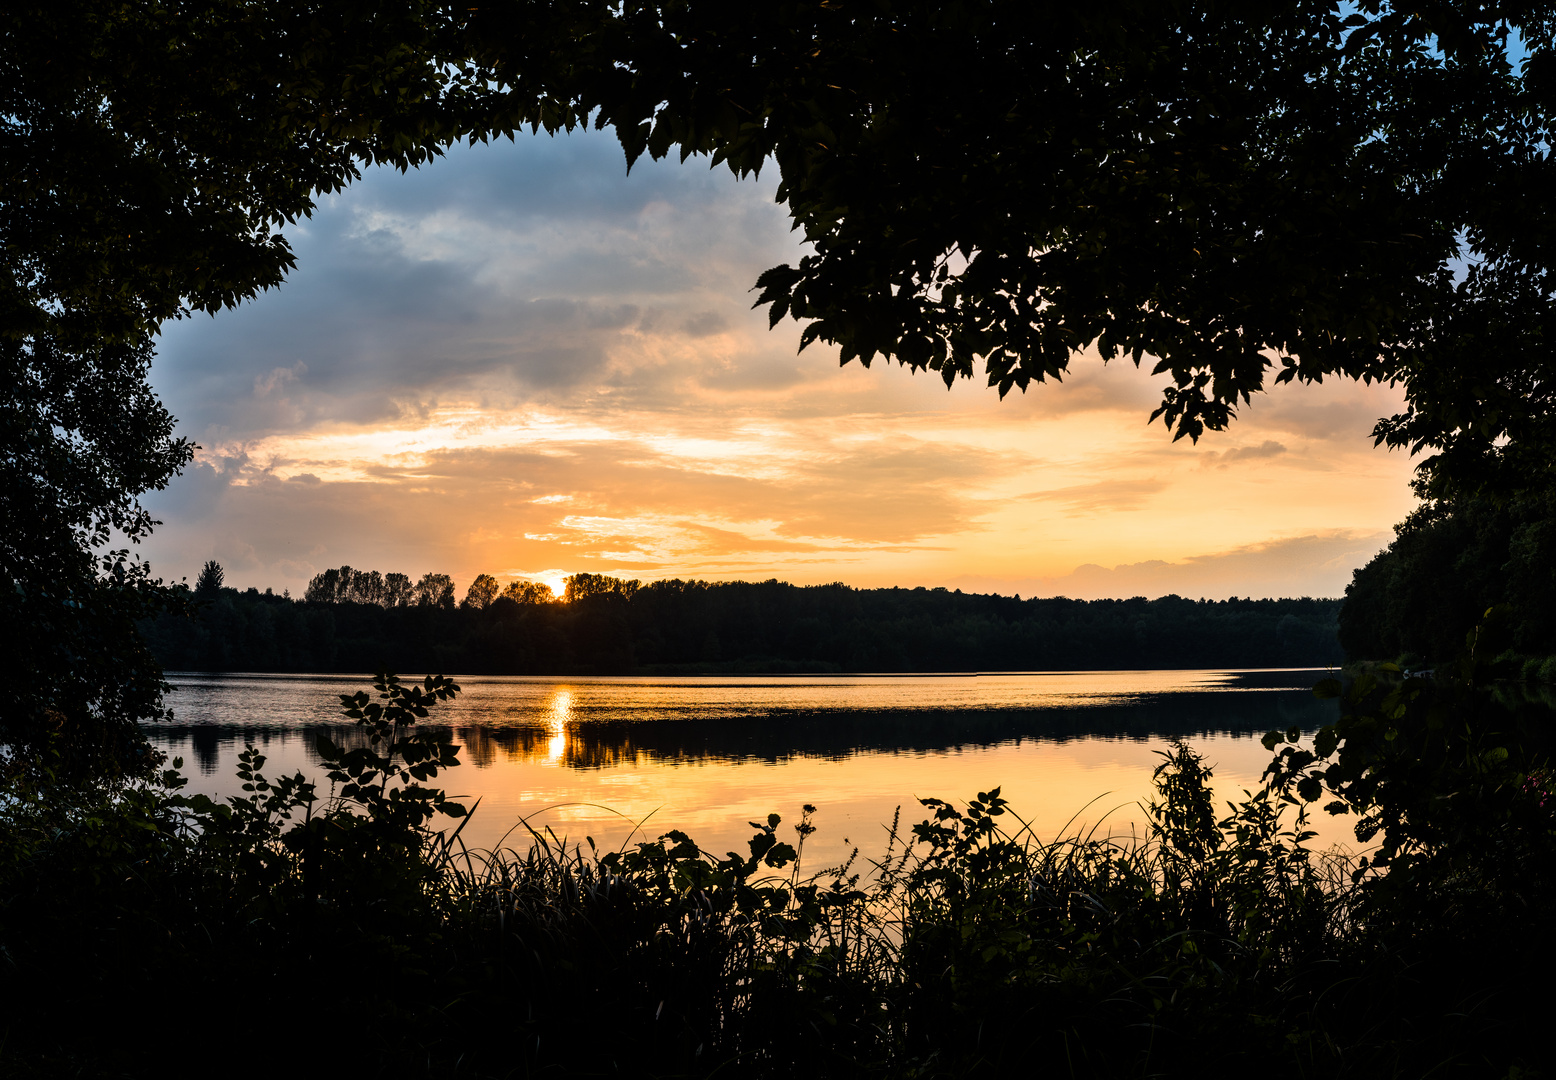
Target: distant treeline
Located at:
point(606, 625)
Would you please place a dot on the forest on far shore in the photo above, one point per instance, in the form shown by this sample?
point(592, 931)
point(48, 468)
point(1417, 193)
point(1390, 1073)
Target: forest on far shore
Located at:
point(609, 626)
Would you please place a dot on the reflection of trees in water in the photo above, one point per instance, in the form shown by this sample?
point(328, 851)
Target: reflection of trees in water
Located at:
point(579, 746)
point(207, 743)
point(833, 734)
point(1522, 696)
point(841, 734)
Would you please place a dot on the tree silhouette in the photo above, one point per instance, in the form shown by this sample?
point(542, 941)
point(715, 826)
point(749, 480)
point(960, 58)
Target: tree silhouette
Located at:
point(398, 590)
point(367, 587)
point(1449, 563)
point(435, 590)
point(483, 590)
point(152, 156)
point(681, 626)
point(582, 586)
point(211, 578)
point(325, 587)
point(528, 592)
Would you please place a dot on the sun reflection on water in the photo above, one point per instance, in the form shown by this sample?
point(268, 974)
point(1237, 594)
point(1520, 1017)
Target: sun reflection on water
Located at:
point(707, 755)
point(561, 714)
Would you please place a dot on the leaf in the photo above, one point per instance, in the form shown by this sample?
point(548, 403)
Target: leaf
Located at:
point(780, 308)
point(1326, 741)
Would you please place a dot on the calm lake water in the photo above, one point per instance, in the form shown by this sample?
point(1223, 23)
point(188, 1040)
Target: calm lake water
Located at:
point(603, 757)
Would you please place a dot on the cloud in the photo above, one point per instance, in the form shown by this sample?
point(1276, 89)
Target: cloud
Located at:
point(1105, 495)
point(850, 491)
point(704, 324)
point(1336, 411)
point(507, 274)
point(265, 385)
point(728, 542)
point(1314, 565)
point(593, 503)
point(1269, 448)
point(522, 356)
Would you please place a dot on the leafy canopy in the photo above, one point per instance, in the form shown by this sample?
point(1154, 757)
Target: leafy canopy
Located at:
point(151, 155)
point(1282, 189)
point(1234, 191)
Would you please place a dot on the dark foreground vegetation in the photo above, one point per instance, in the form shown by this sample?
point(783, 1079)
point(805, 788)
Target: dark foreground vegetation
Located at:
point(141, 927)
point(614, 626)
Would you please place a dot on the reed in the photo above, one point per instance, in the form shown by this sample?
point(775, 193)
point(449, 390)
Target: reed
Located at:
point(968, 946)
point(968, 940)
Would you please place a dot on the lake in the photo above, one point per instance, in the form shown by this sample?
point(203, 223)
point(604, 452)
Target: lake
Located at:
point(611, 758)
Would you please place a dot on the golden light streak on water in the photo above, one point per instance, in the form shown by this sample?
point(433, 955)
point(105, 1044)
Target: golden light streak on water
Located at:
point(561, 714)
point(593, 755)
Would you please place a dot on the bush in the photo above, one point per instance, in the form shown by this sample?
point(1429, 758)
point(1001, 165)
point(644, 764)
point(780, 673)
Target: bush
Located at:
point(967, 948)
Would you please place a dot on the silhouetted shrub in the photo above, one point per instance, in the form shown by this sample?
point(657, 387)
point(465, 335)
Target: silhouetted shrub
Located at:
point(966, 948)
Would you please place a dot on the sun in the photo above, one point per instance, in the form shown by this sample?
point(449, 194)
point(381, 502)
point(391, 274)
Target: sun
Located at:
point(556, 580)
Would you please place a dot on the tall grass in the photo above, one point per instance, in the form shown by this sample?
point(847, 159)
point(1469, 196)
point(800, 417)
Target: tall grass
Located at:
point(968, 944)
point(347, 933)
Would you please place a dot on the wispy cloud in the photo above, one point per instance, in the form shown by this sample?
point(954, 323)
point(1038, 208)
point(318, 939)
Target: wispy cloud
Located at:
point(1313, 565)
point(523, 357)
point(1269, 448)
point(1105, 495)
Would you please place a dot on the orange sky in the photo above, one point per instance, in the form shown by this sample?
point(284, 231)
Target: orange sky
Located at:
point(520, 361)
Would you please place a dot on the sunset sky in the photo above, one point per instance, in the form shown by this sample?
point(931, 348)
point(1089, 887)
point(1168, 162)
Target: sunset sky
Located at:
point(522, 361)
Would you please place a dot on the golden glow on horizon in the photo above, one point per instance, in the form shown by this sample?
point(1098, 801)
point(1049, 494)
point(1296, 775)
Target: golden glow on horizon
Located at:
point(978, 488)
point(555, 580)
point(459, 379)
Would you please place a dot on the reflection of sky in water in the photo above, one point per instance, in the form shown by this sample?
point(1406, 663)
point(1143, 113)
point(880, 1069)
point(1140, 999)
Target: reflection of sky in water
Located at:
point(708, 755)
point(499, 700)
